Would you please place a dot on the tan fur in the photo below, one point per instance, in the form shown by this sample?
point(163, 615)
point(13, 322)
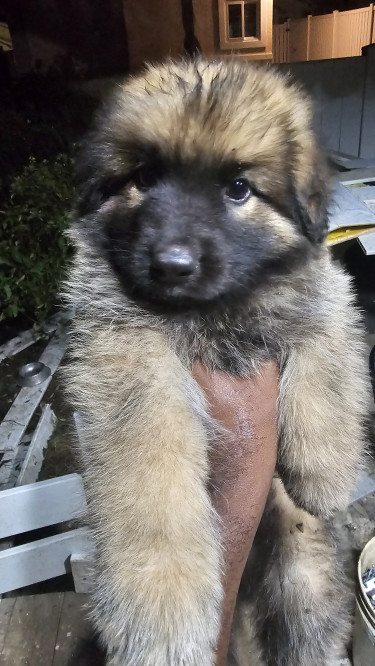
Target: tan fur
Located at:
point(146, 428)
point(303, 575)
point(240, 131)
point(309, 557)
point(145, 457)
point(245, 647)
point(310, 414)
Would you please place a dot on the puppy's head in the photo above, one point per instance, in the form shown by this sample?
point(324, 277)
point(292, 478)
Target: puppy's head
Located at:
point(202, 181)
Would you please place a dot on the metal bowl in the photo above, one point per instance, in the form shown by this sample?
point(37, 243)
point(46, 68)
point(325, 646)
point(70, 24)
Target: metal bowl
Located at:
point(32, 374)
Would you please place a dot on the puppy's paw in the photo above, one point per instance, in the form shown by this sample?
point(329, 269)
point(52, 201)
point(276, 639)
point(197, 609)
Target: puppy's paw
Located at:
point(170, 618)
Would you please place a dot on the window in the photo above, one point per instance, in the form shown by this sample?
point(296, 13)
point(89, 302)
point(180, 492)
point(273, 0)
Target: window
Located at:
point(246, 24)
point(243, 20)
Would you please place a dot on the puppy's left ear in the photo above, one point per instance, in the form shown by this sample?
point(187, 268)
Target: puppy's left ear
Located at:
point(311, 189)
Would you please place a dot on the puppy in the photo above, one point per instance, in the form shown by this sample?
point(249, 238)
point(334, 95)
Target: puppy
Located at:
point(200, 233)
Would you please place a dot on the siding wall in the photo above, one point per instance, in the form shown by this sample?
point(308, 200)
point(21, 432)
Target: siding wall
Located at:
point(343, 92)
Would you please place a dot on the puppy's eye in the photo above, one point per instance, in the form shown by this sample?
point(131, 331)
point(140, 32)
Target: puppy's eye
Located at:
point(239, 190)
point(145, 177)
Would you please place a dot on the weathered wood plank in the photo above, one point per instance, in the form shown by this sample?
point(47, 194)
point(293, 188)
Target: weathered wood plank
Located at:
point(40, 504)
point(14, 424)
point(20, 342)
point(17, 419)
point(32, 335)
point(6, 610)
point(33, 460)
point(81, 566)
point(40, 560)
point(32, 630)
point(73, 628)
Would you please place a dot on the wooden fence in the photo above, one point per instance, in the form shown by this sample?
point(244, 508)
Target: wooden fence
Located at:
point(336, 35)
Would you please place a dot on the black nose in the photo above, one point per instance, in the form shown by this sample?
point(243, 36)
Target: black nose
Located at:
point(173, 262)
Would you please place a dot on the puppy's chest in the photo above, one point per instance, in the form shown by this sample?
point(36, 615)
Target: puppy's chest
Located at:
point(238, 351)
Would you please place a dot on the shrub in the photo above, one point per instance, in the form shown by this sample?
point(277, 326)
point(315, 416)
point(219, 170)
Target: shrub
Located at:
point(40, 116)
point(33, 247)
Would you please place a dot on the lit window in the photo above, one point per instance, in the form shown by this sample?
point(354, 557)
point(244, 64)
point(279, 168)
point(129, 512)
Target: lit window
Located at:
point(245, 24)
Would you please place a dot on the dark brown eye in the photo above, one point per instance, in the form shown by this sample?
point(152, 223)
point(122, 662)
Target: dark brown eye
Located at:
point(239, 190)
point(145, 177)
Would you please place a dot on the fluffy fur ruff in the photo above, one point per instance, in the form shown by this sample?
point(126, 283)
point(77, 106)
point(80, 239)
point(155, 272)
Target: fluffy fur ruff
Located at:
point(215, 163)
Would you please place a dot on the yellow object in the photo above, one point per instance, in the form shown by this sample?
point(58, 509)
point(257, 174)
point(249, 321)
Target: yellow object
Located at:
point(341, 234)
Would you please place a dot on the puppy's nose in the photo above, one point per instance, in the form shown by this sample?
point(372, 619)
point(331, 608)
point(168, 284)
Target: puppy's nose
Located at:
point(173, 262)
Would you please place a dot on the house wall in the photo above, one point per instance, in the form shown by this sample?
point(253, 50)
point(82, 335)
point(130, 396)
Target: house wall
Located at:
point(110, 37)
point(154, 29)
point(206, 22)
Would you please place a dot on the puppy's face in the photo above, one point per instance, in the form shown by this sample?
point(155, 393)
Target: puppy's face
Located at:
point(202, 182)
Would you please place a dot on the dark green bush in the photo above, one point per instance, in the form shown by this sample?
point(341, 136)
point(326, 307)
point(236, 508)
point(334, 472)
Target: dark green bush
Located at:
point(33, 247)
point(40, 116)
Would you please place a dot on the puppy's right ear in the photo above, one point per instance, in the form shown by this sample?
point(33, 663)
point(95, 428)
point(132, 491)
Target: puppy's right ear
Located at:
point(94, 184)
point(88, 166)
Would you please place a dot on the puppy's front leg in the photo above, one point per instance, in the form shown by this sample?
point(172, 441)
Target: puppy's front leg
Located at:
point(324, 400)
point(158, 591)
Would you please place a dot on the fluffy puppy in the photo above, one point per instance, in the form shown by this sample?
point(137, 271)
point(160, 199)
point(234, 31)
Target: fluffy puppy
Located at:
point(202, 215)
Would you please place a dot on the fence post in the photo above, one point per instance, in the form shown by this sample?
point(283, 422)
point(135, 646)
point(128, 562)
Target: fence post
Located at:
point(334, 33)
point(308, 37)
point(372, 27)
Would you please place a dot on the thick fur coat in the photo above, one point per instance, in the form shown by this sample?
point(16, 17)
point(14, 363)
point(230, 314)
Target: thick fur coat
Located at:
point(200, 231)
